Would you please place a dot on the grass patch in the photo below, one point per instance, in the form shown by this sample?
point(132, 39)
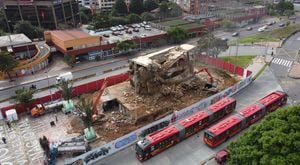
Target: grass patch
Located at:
point(269, 36)
point(242, 61)
point(180, 23)
point(260, 71)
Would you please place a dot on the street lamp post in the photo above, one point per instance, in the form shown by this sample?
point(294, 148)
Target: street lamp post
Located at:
point(49, 85)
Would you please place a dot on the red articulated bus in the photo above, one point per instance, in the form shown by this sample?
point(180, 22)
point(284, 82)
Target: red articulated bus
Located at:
point(232, 125)
point(158, 141)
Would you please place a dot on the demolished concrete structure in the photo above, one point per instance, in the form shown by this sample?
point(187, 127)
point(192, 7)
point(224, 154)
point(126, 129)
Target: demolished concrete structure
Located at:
point(169, 66)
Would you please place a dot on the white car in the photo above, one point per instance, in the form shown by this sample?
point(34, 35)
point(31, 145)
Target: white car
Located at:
point(261, 29)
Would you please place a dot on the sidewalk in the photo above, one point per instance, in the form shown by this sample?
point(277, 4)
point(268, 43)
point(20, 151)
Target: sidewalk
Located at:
point(294, 72)
point(256, 65)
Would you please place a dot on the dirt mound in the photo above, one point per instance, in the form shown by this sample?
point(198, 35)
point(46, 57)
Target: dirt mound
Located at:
point(77, 125)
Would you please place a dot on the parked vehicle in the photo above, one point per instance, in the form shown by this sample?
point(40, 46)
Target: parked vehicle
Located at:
point(222, 156)
point(68, 76)
point(235, 34)
point(232, 125)
point(160, 140)
point(281, 25)
point(249, 28)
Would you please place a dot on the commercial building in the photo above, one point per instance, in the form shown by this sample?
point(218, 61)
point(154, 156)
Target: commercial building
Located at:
point(31, 57)
point(49, 14)
point(90, 44)
point(72, 42)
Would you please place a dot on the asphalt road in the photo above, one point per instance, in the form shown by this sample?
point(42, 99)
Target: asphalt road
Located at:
point(288, 52)
point(44, 81)
point(193, 150)
point(243, 32)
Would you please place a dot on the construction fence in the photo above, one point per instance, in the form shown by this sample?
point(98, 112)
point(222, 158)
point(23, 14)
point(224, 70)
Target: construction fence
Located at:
point(131, 138)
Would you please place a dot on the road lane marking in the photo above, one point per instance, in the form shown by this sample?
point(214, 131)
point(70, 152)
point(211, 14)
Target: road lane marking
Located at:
point(282, 62)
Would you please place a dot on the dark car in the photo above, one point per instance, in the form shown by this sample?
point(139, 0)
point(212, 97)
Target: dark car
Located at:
point(249, 28)
point(281, 25)
point(235, 34)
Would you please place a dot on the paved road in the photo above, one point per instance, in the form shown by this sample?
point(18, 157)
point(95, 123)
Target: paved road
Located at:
point(245, 50)
point(243, 32)
point(43, 82)
point(193, 151)
point(281, 64)
point(47, 92)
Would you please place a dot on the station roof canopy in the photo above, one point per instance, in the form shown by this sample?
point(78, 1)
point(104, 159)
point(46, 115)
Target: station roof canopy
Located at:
point(14, 39)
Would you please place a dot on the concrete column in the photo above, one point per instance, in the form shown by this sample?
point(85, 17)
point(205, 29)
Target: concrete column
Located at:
point(37, 15)
point(20, 12)
point(63, 10)
point(72, 12)
point(54, 16)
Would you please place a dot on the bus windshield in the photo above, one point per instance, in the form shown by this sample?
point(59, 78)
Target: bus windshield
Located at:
point(138, 149)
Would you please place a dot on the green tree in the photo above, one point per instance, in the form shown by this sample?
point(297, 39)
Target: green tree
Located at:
point(227, 24)
point(150, 5)
point(136, 6)
point(134, 18)
point(288, 13)
point(70, 60)
point(118, 21)
point(124, 46)
point(85, 107)
point(26, 28)
point(85, 14)
point(120, 7)
point(282, 6)
point(24, 96)
point(146, 16)
point(211, 45)
point(100, 21)
point(273, 141)
point(66, 89)
point(174, 10)
point(7, 63)
point(163, 8)
point(176, 35)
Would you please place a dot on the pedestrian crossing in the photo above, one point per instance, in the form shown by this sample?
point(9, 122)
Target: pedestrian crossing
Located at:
point(279, 61)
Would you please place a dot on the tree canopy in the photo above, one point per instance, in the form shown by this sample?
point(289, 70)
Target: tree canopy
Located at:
point(126, 45)
point(150, 5)
point(176, 35)
point(211, 45)
point(146, 16)
point(26, 28)
point(66, 89)
point(274, 141)
point(120, 7)
point(134, 18)
point(24, 96)
point(7, 63)
point(136, 6)
point(70, 60)
point(282, 6)
point(85, 106)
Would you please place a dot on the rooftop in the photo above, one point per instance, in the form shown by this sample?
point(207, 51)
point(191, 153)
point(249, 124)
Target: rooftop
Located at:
point(14, 39)
point(67, 35)
point(172, 52)
point(128, 33)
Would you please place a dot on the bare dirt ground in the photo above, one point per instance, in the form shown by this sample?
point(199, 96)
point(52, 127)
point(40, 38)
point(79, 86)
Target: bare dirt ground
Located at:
point(173, 98)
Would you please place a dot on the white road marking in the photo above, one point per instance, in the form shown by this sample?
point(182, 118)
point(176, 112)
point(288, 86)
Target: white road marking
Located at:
point(282, 62)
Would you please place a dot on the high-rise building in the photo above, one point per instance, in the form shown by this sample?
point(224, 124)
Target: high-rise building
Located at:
point(101, 5)
point(49, 14)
